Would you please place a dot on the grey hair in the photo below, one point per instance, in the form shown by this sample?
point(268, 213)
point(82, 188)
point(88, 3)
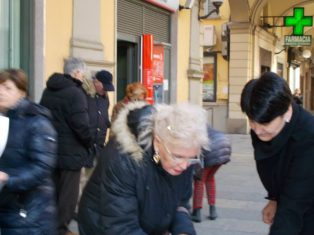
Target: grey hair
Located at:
point(184, 124)
point(71, 64)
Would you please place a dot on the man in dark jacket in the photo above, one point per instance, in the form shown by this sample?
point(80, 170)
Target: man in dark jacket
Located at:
point(66, 100)
point(98, 105)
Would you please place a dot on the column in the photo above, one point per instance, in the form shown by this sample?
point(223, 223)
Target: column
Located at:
point(195, 71)
point(240, 72)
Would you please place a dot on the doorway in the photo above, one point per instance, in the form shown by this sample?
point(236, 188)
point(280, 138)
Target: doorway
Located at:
point(127, 66)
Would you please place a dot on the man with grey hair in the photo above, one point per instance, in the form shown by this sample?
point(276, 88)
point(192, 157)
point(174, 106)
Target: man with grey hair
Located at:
point(66, 100)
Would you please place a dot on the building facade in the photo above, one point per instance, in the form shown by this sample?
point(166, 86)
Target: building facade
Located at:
point(195, 54)
point(107, 34)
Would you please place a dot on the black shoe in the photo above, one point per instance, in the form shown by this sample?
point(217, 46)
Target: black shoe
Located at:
point(196, 215)
point(212, 212)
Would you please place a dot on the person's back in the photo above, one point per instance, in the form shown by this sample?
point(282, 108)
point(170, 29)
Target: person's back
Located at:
point(67, 102)
point(68, 105)
point(218, 154)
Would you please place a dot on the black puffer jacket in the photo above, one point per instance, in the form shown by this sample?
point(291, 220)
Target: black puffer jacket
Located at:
point(27, 200)
point(66, 100)
point(220, 149)
point(126, 196)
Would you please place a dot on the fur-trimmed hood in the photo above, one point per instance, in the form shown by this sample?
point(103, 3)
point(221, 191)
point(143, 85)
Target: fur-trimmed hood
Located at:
point(133, 129)
point(89, 87)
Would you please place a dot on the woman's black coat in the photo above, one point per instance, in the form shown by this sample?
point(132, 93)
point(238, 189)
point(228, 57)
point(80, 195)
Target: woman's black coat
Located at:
point(127, 197)
point(27, 200)
point(286, 168)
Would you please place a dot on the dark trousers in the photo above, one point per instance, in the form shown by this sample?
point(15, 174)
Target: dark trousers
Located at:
point(67, 192)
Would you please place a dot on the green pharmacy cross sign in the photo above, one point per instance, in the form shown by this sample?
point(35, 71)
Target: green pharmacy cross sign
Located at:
point(298, 21)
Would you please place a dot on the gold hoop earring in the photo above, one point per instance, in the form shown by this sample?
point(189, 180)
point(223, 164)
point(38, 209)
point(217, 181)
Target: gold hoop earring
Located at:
point(156, 157)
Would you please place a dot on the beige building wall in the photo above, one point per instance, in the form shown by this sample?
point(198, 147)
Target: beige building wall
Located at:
point(58, 32)
point(183, 55)
point(108, 38)
point(107, 29)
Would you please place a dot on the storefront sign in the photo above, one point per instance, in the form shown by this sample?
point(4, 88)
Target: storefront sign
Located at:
point(298, 21)
point(170, 5)
point(292, 40)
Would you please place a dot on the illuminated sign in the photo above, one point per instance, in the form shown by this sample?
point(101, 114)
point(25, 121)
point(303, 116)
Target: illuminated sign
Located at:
point(298, 21)
point(305, 40)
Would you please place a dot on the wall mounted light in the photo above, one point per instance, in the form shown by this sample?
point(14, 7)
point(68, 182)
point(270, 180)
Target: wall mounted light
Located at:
point(217, 4)
point(306, 53)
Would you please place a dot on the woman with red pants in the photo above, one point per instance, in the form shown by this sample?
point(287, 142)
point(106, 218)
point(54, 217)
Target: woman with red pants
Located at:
point(218, 154)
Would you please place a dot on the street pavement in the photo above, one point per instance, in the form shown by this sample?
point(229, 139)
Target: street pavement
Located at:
point(239, 196)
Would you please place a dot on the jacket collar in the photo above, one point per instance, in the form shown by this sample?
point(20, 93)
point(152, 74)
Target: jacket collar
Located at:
point(268, 149)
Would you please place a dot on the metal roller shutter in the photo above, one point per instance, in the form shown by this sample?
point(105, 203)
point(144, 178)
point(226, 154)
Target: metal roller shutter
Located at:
point(137, 17)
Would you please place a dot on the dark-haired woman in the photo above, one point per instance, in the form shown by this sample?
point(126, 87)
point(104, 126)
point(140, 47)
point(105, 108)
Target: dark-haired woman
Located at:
point(27, 197)
point(283, 139)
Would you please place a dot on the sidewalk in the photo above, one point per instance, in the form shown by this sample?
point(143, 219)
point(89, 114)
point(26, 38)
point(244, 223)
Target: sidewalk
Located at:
point(240, 195)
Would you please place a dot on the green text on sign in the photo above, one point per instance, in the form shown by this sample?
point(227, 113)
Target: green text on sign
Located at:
point(298, 21)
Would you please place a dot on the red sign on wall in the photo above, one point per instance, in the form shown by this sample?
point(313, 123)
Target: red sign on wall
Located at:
point(158, 64)
point(147, 65)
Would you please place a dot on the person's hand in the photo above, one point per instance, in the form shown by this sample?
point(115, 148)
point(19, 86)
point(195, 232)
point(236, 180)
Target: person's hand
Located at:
point(269, 212)
point(3, 177)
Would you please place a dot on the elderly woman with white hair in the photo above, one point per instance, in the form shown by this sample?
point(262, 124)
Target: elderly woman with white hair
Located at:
point(143, 181)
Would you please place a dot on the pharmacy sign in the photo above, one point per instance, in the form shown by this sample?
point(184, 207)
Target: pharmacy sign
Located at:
point(298, 21)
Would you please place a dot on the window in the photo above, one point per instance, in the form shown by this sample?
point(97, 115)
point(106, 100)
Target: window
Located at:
point(16, 37)
point(209, 79)
point(10, 34)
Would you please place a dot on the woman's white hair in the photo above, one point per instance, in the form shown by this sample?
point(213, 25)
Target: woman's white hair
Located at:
point(184, 124)
point(181, 124)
